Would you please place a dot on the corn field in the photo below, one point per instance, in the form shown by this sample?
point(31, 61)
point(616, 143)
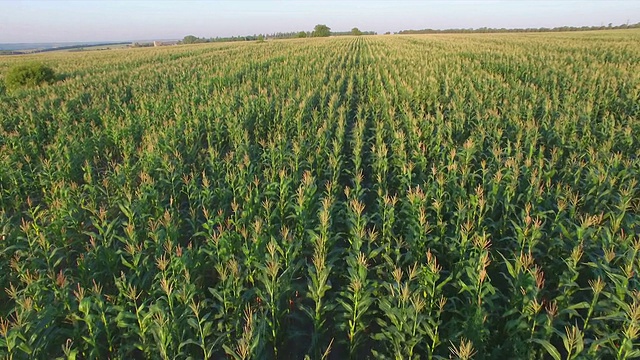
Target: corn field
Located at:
point(387, 197)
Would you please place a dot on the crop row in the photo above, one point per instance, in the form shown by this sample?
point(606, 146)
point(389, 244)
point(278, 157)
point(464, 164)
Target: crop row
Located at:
point(379, 197)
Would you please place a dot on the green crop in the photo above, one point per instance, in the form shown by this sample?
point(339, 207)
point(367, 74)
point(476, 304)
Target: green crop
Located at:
point(391, 197)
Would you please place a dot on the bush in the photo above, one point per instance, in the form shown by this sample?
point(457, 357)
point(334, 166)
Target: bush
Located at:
point(28, 75)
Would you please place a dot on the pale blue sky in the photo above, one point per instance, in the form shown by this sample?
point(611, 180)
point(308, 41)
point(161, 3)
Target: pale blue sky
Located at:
point(99, 20)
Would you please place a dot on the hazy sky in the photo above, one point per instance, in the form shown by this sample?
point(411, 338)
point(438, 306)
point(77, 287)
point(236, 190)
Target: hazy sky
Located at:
point(100, 20)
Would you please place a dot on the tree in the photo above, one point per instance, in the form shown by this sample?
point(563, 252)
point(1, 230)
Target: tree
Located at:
point(356, 31)
point(302, 34)
point(321, 30)
point(190, 39)
point(28, 75)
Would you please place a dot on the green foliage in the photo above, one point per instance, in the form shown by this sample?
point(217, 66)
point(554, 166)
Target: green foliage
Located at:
point(28, 75)
point(191, 39)
point(301, 34)
point(321, 30)
point(396, 197)
point(356, 31)
point(521, 30)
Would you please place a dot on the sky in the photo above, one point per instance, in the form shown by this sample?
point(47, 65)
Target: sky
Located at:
point(101, 20)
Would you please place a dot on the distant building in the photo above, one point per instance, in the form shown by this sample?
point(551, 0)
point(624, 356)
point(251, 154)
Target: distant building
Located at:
point(165, 43)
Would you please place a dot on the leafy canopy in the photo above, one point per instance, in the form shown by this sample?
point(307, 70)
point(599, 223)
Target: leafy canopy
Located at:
point(28, 75)
point(321, 30)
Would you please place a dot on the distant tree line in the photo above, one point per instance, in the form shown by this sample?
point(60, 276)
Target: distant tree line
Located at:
point(354, 31)
point(190, 39)
point(320, 30)
point(141, 44)
point(505, 30)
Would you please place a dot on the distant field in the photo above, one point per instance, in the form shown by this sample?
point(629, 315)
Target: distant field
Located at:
point(29, 46)
point(23, 49)
point(387, 197)
point(99, 48)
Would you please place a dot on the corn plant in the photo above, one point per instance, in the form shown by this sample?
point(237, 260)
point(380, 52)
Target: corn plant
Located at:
point(451, 196)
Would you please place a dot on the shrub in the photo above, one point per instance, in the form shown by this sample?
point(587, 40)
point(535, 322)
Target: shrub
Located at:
point(28, 75)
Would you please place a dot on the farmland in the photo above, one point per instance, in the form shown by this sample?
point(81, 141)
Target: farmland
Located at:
point(387, 197)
